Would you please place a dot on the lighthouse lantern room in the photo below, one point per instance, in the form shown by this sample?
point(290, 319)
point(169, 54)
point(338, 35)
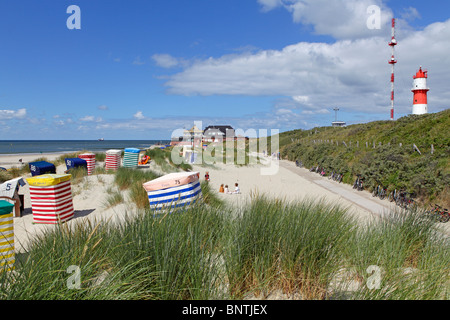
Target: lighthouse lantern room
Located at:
point(420, 89)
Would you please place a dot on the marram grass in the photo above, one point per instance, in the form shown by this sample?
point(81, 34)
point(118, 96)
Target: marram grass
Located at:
point(291, 246)
point(216, 252)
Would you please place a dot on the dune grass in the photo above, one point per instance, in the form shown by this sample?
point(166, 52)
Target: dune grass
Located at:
point(132, 180)
point(142, 258)
point(209, 196)
point(62, 158)
point(78, 174)
point(40, 275)
point(125, 177)
point(293, 247)
point(412, 256)
point(212, 251)
point(5, 176)
point(163, 158)
point(114, 198)
point(100, 156)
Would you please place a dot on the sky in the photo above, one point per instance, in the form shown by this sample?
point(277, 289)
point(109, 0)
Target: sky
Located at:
point(145, 69)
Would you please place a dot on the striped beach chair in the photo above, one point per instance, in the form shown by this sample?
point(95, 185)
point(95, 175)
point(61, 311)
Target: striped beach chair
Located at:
point(112, 161)
point(7, 253)
point(131, 157)
point(173, 191)
point(90, 159)
point(72, 163)
point(51, 198)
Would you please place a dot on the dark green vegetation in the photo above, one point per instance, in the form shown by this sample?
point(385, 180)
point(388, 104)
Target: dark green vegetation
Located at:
point(427, 175)
point(162, 157)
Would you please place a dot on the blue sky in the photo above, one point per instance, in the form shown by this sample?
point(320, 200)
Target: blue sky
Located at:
point(143, 69)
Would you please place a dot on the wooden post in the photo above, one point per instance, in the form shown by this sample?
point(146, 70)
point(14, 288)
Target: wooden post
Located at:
point(432, 149)
point(417, 149)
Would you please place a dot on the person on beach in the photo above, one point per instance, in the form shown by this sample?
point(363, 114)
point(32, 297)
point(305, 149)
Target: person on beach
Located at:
point(221, 189)
point(236, 189)
point(226, 190)
point(207, 176)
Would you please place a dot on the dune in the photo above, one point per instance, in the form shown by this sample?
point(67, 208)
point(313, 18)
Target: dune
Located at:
point(289, 183)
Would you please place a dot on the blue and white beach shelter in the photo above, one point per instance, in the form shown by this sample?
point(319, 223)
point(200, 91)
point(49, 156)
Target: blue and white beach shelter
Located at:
point(131, 157)
point(75, 163)
point(174, 190)
point(41, 167)
point(191, 156)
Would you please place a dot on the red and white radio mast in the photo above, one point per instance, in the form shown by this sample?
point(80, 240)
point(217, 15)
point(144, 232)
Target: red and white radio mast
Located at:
point(392, 62)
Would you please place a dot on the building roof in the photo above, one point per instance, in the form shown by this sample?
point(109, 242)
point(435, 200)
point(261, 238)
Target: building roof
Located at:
point(338, 123)
point(222, 128)
point(194, 129)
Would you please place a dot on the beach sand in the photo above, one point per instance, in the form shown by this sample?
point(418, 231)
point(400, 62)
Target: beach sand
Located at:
point(289, 183)
point(12, 160)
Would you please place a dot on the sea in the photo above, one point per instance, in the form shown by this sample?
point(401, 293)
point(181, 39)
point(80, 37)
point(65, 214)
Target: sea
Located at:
point(63, 146)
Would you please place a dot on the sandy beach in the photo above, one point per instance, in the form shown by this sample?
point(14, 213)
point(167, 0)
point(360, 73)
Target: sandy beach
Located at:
point(288, 183)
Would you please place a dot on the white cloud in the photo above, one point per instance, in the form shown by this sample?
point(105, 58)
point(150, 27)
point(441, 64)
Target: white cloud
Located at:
point(102, 107)
point(283, 111)
point(87, 119)
point(138, 115)
point(165, 60)
point(410, 14)
point(351, 74)
point(91, 119)
point(342, 19)
point(13, 114)
point(301, 99)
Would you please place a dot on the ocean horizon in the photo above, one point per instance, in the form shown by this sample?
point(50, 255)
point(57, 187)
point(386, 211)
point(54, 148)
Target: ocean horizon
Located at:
point(60, 146)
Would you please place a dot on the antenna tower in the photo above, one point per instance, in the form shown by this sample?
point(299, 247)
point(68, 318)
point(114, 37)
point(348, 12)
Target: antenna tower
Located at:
point(392, 62)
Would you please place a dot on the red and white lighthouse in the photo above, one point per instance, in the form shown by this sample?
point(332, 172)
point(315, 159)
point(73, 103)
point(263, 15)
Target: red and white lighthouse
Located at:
point(420, 89)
